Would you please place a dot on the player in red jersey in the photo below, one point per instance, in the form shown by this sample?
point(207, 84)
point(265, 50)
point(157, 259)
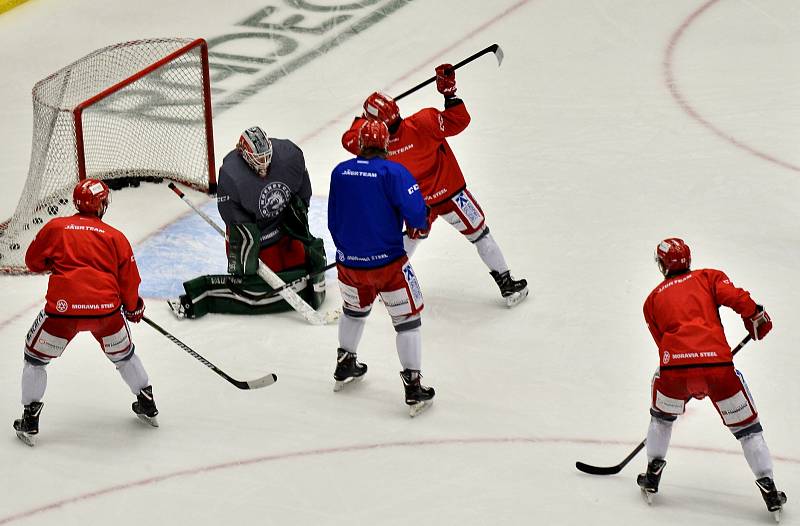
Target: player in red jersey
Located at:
point(695, 362)
point(419, 142)
point(93, 283)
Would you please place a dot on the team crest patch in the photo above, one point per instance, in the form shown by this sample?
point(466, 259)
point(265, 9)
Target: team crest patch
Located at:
point(62, 306)
point(273, 199)
point(666, 357)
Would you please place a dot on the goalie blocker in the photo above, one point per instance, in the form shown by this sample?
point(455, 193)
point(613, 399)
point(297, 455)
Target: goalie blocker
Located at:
point(242, 291)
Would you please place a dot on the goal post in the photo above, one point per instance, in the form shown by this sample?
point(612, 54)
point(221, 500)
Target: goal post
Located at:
point(129, 112)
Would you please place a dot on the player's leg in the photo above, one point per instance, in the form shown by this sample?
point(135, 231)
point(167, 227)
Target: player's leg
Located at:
point(402, 295)
point(465, 214)
point(668, 400)
point(357, 297)
point(114, 337)
point(46, 340)
point(734, 403)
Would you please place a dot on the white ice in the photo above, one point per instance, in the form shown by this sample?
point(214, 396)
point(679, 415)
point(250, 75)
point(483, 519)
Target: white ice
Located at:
point(609, 126)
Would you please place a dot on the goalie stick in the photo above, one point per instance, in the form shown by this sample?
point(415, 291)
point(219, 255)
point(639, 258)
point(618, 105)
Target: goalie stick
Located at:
point(273, 280)
point(251, 384)
point(613, 470)
point(494, 48)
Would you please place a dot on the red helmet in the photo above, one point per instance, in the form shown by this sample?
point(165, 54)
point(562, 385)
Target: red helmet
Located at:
point(256, 149)
point(91, 196)
point(373, 134)
point(380, 106)
point(673, 256)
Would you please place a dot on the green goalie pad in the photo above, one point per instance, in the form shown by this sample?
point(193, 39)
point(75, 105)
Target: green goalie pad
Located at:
point(229, 294)
point(243, 248)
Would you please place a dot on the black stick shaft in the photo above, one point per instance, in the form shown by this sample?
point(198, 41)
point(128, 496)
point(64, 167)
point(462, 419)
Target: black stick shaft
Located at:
point(261, 382)
point(494, 48)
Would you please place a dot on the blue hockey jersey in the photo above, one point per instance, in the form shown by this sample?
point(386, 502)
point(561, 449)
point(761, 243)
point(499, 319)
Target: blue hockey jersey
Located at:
point(367, 203)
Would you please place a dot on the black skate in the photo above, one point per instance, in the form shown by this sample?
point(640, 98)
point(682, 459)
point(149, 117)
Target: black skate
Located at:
point(145, 406)
point(348, 369)
point(27, 427)
point(182, 307)
point(773, 498)
point(418, 397)
point(513, 291)
point(648, 482)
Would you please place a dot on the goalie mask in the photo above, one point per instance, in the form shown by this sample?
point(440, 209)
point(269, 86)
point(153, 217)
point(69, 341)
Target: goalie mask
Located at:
point(256, 149)
point(380, 106)
point(91, 197)
point(673, 257)
point(373, 134)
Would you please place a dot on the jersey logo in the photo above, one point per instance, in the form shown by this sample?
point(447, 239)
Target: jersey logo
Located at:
point(666, 357)
point(62, 305)
point(273, 199)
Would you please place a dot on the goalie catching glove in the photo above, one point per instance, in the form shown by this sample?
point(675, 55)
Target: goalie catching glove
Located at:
point(758, 324)
point(135, 315)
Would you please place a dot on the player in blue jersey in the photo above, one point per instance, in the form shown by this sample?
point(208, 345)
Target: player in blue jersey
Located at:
point(370, 198)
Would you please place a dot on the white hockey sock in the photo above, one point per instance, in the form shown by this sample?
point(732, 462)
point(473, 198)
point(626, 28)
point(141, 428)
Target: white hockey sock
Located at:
point(410, 245)
point(409, 349)
point(658, 436)
point(34, 383)
point(757, 454)
point(132, 371)
point(490, 253)
point(350, 331)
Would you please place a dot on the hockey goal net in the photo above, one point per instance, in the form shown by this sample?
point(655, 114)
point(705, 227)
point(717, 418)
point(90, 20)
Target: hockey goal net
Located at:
point(130, 112)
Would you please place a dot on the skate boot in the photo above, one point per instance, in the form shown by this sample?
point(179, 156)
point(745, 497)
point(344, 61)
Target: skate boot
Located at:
point(418, 397)
point(27, 427)
point(513, 291)
point(773, 498)
point(348, 369)
point(648, 482)
point(181, 307)
point(145, 406)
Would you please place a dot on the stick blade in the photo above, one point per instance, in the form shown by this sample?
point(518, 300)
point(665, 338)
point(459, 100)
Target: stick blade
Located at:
point(597, 470)
point(262, 382)
point(498, 54)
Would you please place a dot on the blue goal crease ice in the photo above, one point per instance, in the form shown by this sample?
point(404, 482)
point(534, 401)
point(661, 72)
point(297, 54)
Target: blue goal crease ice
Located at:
point(189, 247)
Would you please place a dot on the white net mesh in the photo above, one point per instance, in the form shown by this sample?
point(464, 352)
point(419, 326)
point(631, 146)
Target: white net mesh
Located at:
point(142, 112)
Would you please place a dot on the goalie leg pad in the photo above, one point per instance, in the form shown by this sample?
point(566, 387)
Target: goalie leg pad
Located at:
point(243, 249)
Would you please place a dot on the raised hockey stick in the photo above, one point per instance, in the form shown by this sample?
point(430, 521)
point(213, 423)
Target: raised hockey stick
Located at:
point(613, 470)
point(273, 280)
point(494, 48)
point(251, 384)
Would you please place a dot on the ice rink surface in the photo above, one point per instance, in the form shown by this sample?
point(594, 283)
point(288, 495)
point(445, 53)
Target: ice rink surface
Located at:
point(609, 126)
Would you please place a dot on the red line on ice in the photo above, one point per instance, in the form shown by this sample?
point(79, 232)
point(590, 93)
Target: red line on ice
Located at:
point(680, 98)
point(202, 470)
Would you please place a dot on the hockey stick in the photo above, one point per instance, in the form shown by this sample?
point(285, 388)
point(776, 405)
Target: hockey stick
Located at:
point(273, 280)
point(494, 48)
point(301, 279)
point(252, 384)
point(613, 470)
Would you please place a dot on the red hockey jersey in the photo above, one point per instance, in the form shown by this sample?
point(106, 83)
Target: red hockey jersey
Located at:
point(682, 314)
point(419, 144)
point(92, 265)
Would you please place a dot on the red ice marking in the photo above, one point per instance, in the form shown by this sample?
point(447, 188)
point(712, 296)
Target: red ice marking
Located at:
point(202, 470)
point(680, 98)
point(356, 110)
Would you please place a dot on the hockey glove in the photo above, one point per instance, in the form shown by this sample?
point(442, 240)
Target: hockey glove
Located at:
point(135, 315)
point(759, 324)
point(417, 233)
point(446, 81)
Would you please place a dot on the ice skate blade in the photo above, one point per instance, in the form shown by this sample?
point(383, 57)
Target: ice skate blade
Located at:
point(776, 515)
point(516, 298)
point(28, 440)
point(150, 420)
point(648, 497)
point(419, 407)
point(340, 384)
